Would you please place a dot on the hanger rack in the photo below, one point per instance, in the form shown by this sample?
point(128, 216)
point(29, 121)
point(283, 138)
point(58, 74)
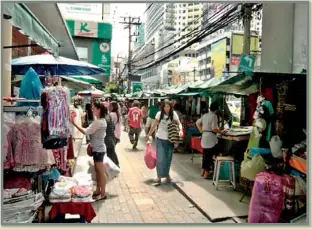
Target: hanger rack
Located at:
point(22, 109)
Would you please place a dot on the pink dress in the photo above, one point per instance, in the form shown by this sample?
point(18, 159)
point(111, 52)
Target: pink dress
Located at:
point(117, 124)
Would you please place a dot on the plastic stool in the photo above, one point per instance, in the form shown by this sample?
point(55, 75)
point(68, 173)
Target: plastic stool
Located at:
point(216, 173)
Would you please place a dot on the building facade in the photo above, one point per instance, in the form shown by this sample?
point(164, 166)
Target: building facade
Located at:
point(93, 44)
point(222, 54)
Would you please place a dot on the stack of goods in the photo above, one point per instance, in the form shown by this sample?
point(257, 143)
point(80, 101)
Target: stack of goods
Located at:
point(61, 192)
point(82, 193)
point(72, 189)
point(20, 205)
point(23, 148)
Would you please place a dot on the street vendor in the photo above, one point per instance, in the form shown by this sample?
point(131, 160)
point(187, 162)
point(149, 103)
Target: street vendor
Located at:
point(208, 126)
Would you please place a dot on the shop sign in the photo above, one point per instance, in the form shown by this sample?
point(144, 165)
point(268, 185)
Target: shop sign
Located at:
point(86, 29)
point(235, 61)
point(137, 87)
point(101, 55)
point(247, 63)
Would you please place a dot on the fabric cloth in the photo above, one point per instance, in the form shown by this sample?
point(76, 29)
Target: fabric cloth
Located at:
point(135, 117)
point(98, 156)
point(162, 132)
point(208, 158)
point(209, 122)
point(83, 209)
point(78, 120)
point(70, 149)
point(117, 124)
point(270, 108)
point(153, 110)
point(110, 139)
point(164, 151)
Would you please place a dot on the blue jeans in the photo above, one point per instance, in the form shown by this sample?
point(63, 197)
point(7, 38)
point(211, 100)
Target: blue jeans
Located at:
point(164, 151)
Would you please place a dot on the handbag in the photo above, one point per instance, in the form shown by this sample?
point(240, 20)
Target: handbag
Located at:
point(173, 133)
point(89, 150)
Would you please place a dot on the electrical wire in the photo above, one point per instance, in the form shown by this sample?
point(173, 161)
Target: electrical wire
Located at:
point(190, 34)
point(223, 21)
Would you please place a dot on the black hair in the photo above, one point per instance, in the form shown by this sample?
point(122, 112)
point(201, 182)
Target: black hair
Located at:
point(99, 105)
point(115, 108)
point(170, 115)
point(89, 116)
point(214, 106)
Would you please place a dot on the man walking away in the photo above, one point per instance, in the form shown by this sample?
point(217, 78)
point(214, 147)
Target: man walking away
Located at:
point(135, 119)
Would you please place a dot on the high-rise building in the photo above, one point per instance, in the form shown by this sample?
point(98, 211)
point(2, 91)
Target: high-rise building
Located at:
point(140, 36)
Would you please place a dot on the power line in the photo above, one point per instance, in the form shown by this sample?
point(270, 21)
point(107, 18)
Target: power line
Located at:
point(223, 21)
point(194, 31)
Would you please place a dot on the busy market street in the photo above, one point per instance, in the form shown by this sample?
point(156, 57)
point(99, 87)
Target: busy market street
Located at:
point(155, 113)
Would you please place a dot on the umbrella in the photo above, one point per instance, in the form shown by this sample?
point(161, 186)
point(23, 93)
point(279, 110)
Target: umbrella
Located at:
point(56, 65)
point(91, 92)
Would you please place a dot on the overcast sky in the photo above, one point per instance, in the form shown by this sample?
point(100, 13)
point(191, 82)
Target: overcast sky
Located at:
point(120, 35)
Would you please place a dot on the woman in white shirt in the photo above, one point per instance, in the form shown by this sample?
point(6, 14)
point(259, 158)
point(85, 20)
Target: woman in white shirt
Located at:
point(164, 148)
point(208, 126)
point(97, 133)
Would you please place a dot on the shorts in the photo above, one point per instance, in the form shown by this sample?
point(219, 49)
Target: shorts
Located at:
point(149, 122)
point(98, 156)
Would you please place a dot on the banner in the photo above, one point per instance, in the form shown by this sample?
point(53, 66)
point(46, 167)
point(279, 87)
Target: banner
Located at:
point(137, 87)
point(218, 58)
point(238, 43)
point(101, 55)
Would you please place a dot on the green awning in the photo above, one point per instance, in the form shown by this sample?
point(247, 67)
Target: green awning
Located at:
point(23, 19)
point(87, 79)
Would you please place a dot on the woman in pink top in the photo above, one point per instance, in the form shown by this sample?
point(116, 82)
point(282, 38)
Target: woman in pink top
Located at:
point(116, 116)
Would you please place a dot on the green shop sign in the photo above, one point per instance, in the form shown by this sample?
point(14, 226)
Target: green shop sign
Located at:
point(101, 55)
point(247, 63)
point(90, 29)
point(137, 87)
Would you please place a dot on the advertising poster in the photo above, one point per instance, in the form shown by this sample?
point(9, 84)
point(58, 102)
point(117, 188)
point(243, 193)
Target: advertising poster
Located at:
point(101, 55)
point(238, 43)
point(218, 58)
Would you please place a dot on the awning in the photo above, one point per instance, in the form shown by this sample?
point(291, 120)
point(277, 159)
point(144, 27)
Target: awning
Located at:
point(249, 83)
point(22, 18)
point(87, 79)
point(57, 26)
point(190, 93)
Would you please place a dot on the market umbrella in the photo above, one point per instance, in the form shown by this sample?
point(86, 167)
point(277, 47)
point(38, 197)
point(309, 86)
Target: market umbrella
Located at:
point(56, 65)
point(91, 92)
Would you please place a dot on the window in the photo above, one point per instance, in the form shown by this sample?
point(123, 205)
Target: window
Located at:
point(193, 54)
point(190, 23)
point(82, 53)
point(184, 5)
point(183, 17)
point(190, 11)
point(184, 11)
point(196, 10)
point(196, 16)
point(190, 4)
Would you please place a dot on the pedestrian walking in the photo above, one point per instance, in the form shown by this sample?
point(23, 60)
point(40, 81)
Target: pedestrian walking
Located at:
point(208, 126)
point(110, 140)
point(97, 131)
point(164, 147)
point(116, 116)
point(135, 120)
point(153, 110)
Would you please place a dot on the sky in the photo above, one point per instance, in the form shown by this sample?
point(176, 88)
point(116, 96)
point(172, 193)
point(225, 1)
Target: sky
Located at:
point(120, 35)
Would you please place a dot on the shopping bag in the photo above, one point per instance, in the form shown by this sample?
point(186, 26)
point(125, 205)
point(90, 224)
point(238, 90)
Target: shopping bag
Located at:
point(150, 156)
point(111, 169)
point(250, 168)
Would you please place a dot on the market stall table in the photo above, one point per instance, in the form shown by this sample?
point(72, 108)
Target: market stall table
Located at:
point(85, 210)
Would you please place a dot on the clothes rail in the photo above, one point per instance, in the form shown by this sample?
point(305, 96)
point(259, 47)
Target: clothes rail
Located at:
point(21, 109)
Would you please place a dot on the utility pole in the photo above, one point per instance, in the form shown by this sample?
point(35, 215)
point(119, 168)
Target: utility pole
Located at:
point(247, 17)
point(129, 21)
point(194, 71)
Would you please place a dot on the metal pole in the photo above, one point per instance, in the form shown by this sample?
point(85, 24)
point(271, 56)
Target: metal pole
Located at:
point(129, 56)
point(194, 74)
point(247, 16)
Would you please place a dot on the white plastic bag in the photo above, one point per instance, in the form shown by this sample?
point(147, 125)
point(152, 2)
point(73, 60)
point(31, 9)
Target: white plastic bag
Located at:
point(250, 168)
point(276, 147)
point(111, 169)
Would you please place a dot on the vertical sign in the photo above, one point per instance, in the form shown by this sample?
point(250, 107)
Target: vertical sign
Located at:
point(218, 58)
point(247, 63)
point(101, 55)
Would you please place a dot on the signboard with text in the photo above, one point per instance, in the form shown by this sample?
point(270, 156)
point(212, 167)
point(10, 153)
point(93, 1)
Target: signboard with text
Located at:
point(247, 63)
point(90, 29)
point(101, 55)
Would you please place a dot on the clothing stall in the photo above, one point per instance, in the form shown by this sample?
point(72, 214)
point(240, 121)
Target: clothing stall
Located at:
point(36, 153)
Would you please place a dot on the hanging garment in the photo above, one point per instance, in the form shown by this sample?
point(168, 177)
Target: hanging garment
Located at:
point(25, 151)
point(70, 149)
point(31, 88)
point(60, 161)
point(8, 122)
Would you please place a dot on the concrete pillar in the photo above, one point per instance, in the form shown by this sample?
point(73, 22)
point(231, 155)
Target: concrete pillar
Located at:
point(277, 37)
point(7, 57)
